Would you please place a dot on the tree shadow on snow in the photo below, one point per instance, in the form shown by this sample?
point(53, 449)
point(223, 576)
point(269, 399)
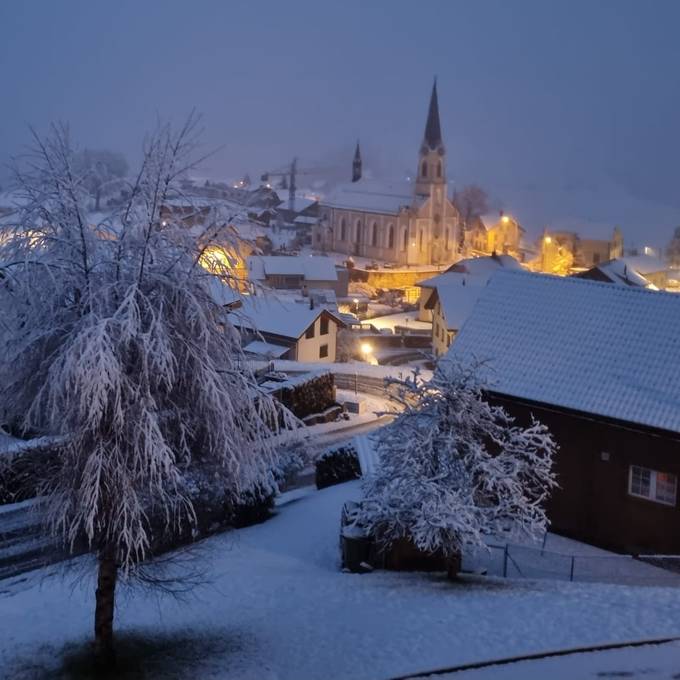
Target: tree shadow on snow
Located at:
point(139, 656)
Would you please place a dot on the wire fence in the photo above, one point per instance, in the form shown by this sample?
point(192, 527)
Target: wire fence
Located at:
point(521, 561)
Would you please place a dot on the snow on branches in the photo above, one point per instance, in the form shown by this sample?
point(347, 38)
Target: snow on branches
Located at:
point(454, 468)
point(112, 338)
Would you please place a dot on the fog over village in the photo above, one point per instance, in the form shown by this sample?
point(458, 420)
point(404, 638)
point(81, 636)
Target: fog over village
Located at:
point(339, 340)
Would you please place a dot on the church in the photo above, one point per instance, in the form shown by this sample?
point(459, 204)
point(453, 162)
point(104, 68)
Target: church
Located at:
point(402, 222)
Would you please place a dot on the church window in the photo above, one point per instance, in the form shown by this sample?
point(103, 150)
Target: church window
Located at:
point(374, 234)
point(390, 236)
point(446, 240)
point(343, 229)
point(439, 168)
point(421, 241)
point(405, 243)
point(424, 169)
point(358, 232)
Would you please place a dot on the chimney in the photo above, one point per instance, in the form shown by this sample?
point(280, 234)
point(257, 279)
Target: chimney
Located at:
point(311, 302)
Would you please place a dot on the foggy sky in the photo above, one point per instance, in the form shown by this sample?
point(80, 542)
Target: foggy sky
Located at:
point(558, 108)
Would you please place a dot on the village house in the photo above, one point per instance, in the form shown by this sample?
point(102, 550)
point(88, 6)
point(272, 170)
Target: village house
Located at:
point(497, 233)
point(475, 270)
point(403, 222)
point(643, 271)
point(298, 272)
point(599, 364)
point(451, 302)
point(272, 328)
point(565, 252)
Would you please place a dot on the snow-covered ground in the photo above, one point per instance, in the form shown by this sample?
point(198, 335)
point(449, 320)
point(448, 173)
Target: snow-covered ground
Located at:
point(654, 662)
point(280, 609)
point(406, 319)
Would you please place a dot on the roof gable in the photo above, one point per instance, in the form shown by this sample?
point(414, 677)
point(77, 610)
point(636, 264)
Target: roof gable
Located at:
point(612, 351)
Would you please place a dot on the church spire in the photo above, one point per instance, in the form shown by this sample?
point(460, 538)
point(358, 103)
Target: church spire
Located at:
point(356, 164)
point(433, 131)
point(431, 161)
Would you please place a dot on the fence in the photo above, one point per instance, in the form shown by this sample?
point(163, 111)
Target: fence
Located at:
point(521, 561)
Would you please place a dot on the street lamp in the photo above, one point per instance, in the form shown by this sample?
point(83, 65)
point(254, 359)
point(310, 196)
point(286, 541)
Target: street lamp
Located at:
point(356, 305)
point(366, 349)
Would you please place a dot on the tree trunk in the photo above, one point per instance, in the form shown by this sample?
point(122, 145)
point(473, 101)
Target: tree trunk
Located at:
point(103, 615)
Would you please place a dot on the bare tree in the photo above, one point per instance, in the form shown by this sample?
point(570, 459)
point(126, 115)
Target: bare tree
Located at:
point(113, 341)
point(471, 201)
point(101, 172)
point(673, 249)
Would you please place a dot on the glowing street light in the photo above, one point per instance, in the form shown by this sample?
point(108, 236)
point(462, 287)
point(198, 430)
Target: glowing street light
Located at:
point(366, 349)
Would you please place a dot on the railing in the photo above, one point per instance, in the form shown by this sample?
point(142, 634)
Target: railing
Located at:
point(520, 561)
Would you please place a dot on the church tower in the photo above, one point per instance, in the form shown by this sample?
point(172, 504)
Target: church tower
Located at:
point(432, 157)
point(356, 165)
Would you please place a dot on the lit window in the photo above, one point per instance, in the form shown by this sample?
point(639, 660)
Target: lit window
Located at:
point(660, 487)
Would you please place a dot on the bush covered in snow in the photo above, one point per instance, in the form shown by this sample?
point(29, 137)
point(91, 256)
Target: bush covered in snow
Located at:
point(454, 468)
point(336, 466)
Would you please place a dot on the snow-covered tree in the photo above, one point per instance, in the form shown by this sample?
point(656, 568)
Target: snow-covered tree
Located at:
point(112, 340)
point(454, 468)
point(100, 172)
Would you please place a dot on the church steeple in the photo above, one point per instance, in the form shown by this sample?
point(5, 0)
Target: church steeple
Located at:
point(356, 164)
point(431, 161)
point(433, 130)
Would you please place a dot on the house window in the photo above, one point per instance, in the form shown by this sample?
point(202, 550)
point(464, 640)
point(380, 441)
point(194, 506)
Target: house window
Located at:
point(660, 487)
point(323, 351)
point(390, 236)
point(309, 333)
point(323, 326)
point(374, 234)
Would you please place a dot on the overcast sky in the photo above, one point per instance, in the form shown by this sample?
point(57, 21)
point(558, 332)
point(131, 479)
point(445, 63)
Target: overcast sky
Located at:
point(548, 104)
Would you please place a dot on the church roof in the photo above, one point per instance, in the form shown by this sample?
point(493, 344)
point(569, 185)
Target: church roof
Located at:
point(433, 131)
point(375, 196)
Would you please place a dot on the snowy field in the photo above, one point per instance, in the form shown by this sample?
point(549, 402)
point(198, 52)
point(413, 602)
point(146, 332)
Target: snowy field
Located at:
point(275, 606)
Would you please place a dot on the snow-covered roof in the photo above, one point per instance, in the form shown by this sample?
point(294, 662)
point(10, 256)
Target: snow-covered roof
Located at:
point(458, 298)
point(449, 277)
point(372, 196)
point(310, 267)
point(306, 219)
point(607, 350)
point(621, 271)
point(300, 203)
point(265, 349)
point(269, 314)
point(486, 265)
point(644, 264)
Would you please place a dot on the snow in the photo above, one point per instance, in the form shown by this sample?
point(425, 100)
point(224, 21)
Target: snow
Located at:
point(265, 349)
point(312, 268)
point(458, 299)
point(651, 661)
point(594, 347)
point(368, 195)
point(405, 319)
point(486, 265)
point(276, 598)
point(270, 314)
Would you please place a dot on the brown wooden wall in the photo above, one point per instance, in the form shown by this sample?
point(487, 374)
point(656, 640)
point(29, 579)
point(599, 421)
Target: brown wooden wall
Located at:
point(593, 504)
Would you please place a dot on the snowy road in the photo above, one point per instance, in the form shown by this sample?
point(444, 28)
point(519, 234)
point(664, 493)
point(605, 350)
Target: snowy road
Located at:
point(280, 609)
